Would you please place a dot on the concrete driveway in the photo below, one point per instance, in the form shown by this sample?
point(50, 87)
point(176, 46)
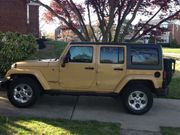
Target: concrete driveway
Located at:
point(165, 112)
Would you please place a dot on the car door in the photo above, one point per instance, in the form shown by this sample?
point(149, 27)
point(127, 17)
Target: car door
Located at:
point(79, 73)
point(111, 67)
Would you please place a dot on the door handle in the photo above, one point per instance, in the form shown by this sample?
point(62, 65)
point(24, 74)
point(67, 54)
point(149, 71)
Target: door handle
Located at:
point(89, 68)
point(118, 69)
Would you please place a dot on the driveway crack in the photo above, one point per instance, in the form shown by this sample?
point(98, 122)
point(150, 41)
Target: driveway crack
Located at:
point(74, 107)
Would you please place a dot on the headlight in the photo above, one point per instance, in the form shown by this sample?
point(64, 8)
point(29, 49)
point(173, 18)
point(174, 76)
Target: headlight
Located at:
point(14, 65)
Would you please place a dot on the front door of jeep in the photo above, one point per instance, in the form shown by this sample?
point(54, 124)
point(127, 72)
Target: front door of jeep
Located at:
point(79, 72)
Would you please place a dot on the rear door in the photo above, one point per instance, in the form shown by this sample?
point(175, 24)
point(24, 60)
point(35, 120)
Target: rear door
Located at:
point(111, 67)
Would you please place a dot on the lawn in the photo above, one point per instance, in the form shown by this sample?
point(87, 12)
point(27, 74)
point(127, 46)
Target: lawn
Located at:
point(53, 50)
point(171, 50)
point(37, 126)
point(174, 87)
point(177, 73)
point(170, 131)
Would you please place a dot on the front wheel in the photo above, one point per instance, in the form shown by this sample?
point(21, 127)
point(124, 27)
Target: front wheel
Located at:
point(23, 92)
point(137, 99)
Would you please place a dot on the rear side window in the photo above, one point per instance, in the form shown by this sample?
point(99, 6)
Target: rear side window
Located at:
point(141, 56)
point(112, 55)
point(82, 54)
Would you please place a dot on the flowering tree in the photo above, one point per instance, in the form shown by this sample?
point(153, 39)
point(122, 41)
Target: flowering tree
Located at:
point(111, 14)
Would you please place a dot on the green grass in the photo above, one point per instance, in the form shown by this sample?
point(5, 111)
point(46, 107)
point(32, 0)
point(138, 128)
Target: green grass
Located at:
point(170, 131)
point(57, 42)
point(171, 50)
point(53, 50)
point(177, 73)
point(174, 87)
point(37, 126)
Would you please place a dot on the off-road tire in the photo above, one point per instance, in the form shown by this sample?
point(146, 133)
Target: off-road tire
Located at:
point(29, 82)
point(127, 102)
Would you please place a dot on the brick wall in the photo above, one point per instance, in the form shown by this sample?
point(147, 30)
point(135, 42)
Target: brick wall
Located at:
point(33, 26)
point(13, 17)
point(177, 33)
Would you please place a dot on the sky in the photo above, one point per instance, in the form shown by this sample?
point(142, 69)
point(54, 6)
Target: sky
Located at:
point(48, 28)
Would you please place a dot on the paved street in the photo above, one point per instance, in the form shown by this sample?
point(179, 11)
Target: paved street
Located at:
point(165, 112)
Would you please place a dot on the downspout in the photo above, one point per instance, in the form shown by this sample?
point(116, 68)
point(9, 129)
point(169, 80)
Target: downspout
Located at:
point(28, 9)
point(28, 13)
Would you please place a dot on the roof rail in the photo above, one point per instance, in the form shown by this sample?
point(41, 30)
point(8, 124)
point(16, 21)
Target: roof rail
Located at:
point(105, 43)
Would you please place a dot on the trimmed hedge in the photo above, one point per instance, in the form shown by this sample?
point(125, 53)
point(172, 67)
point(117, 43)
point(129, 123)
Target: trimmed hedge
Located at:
point(15, 47)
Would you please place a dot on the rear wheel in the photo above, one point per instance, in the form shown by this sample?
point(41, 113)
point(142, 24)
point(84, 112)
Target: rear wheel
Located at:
point(137, 99)
point(23, 92)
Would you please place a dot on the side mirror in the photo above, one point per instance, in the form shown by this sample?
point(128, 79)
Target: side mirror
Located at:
point(65, 60)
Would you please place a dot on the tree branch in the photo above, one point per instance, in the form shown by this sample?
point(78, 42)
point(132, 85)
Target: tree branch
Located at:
point(112, 5)
point(148, 30)
point(64, 20)
point(121, 19)
point(145, 24)
point(131, 20)
point(64, 9)
point(99, 19)
point(90, 24)
point(76, 11)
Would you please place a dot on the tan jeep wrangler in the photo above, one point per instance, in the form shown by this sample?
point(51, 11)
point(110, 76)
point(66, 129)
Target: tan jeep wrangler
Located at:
point(135, 72)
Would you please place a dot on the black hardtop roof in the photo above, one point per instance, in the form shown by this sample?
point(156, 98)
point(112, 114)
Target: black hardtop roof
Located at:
point(103, 43)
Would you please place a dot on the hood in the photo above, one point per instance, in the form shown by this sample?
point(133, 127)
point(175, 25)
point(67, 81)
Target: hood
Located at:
point(34, 63)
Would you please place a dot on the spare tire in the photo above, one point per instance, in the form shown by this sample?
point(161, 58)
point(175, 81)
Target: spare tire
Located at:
point(168, 68)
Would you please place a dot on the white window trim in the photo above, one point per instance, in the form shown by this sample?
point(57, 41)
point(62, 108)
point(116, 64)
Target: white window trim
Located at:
point(31, 3)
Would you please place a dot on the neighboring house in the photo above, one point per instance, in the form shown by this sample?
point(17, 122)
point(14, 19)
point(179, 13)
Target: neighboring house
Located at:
point(19, 16)
point(65, 34)
point(175, 32)
point(172, 33)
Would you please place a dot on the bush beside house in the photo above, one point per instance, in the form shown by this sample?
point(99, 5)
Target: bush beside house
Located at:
point(15, 47)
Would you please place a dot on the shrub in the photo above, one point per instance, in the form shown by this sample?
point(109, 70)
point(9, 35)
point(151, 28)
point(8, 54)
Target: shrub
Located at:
point(15, 47)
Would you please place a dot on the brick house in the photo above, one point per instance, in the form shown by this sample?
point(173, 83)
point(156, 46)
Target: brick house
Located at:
point(172, 33)
point(19, 16)
point(175, 32)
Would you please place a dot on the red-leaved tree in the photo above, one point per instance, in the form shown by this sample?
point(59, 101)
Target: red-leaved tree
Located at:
point(114, 17)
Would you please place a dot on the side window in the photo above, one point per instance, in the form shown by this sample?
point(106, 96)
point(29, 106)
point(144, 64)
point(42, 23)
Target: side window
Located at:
point(112, 55)
point(81, 54)
point(144, 56)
